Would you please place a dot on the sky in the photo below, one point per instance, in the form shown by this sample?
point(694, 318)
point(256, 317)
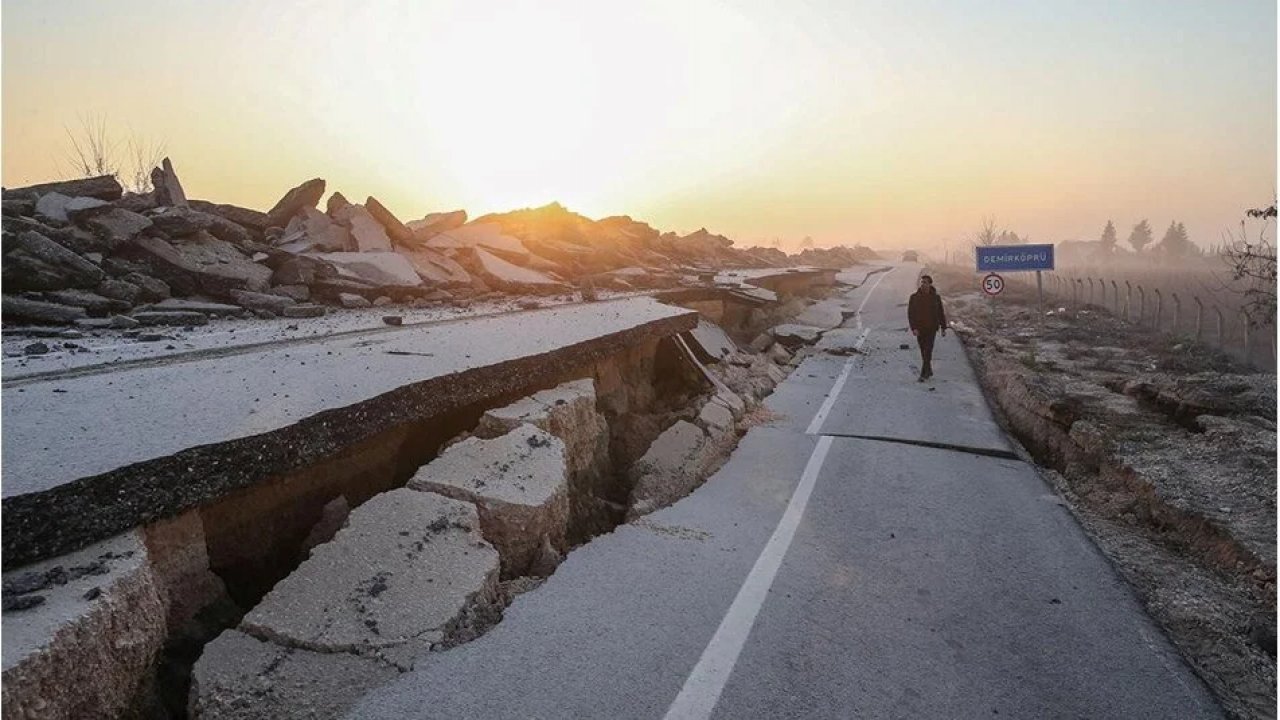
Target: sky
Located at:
point(891, 124)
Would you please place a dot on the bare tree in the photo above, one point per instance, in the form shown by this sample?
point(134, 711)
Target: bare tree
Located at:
point(91, 153)
point(1252, 264)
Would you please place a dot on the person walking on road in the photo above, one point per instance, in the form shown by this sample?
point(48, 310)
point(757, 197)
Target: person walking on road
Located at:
point(926, 318)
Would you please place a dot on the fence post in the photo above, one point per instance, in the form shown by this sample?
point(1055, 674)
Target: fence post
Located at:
point(1090, 291)
point(1142, 304)
point(1244, 318)
point(1199, 316)
point(1218, 310)
point(1115, 296)
point(1079, 293)
point(1128, 300)
point(1159, 307)
point(1177, 311)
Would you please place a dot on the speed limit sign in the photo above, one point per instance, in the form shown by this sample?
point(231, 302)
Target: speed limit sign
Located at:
point(992, 284)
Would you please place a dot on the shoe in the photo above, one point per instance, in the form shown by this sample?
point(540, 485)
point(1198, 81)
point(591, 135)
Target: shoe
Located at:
point(921, 378)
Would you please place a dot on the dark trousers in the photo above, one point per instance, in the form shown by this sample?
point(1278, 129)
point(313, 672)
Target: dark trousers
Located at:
point(925, 339)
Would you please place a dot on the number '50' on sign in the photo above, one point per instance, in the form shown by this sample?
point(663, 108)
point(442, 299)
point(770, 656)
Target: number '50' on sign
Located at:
point(992, 284)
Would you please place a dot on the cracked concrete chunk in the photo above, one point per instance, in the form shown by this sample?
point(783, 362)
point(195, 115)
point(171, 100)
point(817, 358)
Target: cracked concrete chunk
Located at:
point(710, 342)
point(519, 482)
point(511, 277)
point(18, 309)
point(716, 415)
point(81, 653)
point(404, 573)
point(824, 315)
point(201, 264)
point(367, 233)
point(34, 262)
point(664, 473)
point(242, 678)
point(793, 336)
point(117, 226)
point(386, 269)
point(261, 301)
point(567, 411)
point(306, 195)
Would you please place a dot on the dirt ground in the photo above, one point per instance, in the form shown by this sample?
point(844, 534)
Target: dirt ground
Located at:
point(1165, 449)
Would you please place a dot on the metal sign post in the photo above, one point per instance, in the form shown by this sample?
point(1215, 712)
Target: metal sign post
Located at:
point(1016, 258)
point(1040, 302)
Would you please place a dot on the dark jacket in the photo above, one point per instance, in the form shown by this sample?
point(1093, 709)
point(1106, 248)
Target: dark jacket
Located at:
point(924, 311)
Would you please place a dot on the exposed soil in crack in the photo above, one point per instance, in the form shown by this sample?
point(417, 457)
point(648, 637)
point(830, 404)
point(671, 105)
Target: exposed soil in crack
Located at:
point(1165, 450)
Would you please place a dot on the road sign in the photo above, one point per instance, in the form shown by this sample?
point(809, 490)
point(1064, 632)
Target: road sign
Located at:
point(1014, 258)
point(993, 284)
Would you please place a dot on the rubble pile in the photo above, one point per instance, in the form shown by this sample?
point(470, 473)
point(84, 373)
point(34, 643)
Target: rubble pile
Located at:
point(85, 252)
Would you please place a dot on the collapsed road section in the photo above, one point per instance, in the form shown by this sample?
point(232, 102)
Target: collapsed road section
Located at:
point(156, 504)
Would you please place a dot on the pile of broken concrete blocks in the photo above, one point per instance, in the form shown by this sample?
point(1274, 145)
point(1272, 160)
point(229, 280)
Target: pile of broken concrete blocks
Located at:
point(416, 569)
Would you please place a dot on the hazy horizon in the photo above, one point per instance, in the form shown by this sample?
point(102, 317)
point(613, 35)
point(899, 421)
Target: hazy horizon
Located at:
point(887, 125)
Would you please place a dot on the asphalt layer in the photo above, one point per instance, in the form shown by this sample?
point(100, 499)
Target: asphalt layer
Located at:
point(919, 582)
point(91, 455)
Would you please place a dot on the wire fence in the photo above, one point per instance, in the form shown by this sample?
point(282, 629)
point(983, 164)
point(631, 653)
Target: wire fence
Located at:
point(1192, 304)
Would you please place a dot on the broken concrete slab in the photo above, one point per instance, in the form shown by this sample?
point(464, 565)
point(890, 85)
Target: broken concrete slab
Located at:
point(664, 473)
point(715, 415)
point(306, 195)
point(353, 302)
point(167, 187)
point(436, 268)
point(102, 187)
point(320, 232)
point(304, 311)
point(171, 318)
point(513, 278)
point(240, 677)
point(91, 485)
point(53, 206)
point(201, 264)
point(367, 233)
point(117, 226)
point(567, 411)
point(92, 302)
point(520, 484)
point(435, 223)
point(710, 342)
point(300, 270)
point(34, 262)
point(195, 306)
point(261, 301)
point(119, 290)
point(83, 208)
point(254, 220)
point(793, 336)
point(824, 315)
point(179, 221)
point(153, 289)
point(20, 309)
point(297, 293)
point(380, 269)
point(336, 202)
point(483, 235)
point(406, 573)
point(86, 649)
point(395, 229)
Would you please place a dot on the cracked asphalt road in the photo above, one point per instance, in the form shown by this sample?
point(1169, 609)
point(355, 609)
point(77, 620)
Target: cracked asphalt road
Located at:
point(818, 575)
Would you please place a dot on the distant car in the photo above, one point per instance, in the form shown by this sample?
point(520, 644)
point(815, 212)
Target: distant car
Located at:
point(911, 256)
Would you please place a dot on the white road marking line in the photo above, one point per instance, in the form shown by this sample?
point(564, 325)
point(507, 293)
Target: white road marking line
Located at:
point(834, 392)
point(701, 691)
point(829, 402)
